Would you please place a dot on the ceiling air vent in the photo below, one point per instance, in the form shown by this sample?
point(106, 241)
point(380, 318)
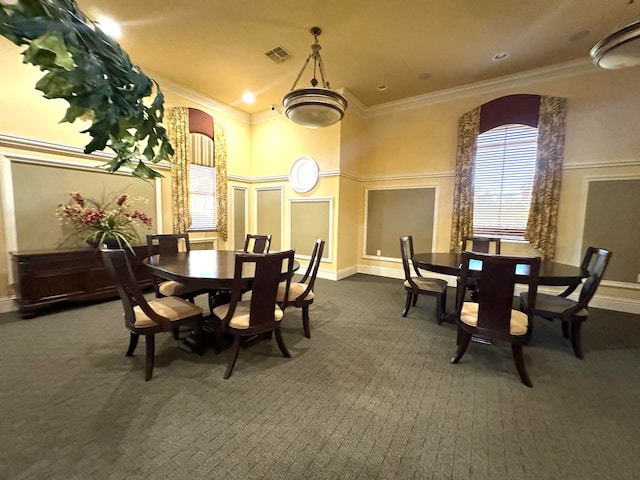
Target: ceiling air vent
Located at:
point(278, 55)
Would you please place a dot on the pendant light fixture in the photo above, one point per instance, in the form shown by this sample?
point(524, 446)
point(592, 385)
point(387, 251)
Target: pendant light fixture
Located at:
point(314, 107)
point(621, 49)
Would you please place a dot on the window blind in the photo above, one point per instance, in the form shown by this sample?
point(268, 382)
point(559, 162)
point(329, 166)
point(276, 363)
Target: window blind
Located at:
point(503, 180)
point(202, 182)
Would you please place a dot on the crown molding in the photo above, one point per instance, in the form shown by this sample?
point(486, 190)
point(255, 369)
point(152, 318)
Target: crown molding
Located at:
point(202, 100)
point(559, 70)
point(355, 105)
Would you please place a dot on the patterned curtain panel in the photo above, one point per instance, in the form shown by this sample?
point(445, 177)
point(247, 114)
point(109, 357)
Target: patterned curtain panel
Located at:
point(543, 215)
point(220, 153)
point(178, 131)
point(462, 219)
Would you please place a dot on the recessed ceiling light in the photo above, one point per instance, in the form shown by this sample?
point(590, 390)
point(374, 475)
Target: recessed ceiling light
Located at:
point(382, 87)
point(424, 76)
point(248, 97)
point(109, 27)
point(498, 57)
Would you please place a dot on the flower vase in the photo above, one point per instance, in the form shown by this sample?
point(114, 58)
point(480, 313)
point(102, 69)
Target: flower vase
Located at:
point(110, 242)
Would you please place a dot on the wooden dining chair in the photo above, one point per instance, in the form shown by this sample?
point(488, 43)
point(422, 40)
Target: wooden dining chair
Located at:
point(169, 244)
point(416, 284)
point(260, 314)
point(481, 244)
point(493, 316)
point(572, 313)
point(147, 318)
point(255, 243)
point(301, 293)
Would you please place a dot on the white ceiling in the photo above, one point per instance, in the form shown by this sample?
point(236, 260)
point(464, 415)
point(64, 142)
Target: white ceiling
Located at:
point(216, 47)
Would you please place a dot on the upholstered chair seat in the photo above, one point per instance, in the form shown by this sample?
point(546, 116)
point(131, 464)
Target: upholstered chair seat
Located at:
point(553, 305)
point(295, 290)
point(518, 324)
point(241, 315)
point(173, 308)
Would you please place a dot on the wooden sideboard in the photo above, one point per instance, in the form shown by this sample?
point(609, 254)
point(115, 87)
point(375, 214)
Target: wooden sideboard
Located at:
point(48, 277)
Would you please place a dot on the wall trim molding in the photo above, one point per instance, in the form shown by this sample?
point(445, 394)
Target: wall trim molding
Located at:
point(31, 144)
point(8, 305)
point(559, 70)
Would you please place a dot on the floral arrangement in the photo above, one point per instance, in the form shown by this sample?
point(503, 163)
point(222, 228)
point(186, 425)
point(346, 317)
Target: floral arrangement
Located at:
point(98, 223)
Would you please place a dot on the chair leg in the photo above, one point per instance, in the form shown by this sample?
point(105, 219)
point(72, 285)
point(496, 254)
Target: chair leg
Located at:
point(441, 301)
point(415, 299)
point(133, 343)
point(150, 343)
point(464, 338)
point(516, 349)
point(305, 321)
point(565, 328)
point(529, 335)
point(407, 304)
point(235, 349)
point(280, 341)
point(575, 339)
point(176, 333)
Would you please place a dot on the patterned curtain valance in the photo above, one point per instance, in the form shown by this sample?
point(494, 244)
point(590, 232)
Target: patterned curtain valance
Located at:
point(548, 115)
point(186, 128)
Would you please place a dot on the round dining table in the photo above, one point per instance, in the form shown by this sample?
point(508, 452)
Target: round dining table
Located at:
point(211, 270)
point(202, 269)
point(551, 273)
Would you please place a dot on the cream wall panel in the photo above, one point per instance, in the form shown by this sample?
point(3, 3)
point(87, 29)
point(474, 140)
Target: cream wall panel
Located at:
point(269, 215)
point(24, 111)
point(350, 224)
point(239, 199)
point(277, 143)
point(311, 218)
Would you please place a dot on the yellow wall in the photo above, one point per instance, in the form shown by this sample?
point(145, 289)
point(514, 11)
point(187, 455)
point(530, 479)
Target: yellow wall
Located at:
point(385, 147)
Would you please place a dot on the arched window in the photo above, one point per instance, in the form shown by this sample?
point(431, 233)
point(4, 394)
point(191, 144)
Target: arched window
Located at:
point(503, 175)
point(499, 181)
point(198, 171)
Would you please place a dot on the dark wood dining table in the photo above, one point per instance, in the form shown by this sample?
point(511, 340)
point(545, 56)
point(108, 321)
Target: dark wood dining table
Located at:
point(211, 270)
point(551, 273)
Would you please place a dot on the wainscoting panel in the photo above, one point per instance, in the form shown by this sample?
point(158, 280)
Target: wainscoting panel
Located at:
point(310, 219)
point(392, 213)
point(616, 229)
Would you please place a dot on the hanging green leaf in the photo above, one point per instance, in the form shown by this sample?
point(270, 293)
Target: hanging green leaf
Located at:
point(95, 76)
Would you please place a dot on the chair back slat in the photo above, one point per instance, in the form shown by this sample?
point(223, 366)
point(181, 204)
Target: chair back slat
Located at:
point(313, 267)
point(496, 276)
point(121, 273)
point(267, 271)
point(596, 261)
point(255, 243)
point(167, 244)
point(406, 252)
point(481, 244)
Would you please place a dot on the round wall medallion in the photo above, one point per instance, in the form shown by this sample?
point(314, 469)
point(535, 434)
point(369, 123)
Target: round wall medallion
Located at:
point(303, 174)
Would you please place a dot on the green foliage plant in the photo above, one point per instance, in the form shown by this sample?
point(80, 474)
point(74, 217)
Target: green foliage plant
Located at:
point(89, 70)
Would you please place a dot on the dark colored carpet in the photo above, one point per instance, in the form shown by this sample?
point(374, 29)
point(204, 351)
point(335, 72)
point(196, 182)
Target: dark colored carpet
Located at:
point(370, 395)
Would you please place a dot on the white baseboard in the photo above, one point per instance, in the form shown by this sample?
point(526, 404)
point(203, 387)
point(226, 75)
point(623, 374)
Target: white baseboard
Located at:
point(8, 305)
